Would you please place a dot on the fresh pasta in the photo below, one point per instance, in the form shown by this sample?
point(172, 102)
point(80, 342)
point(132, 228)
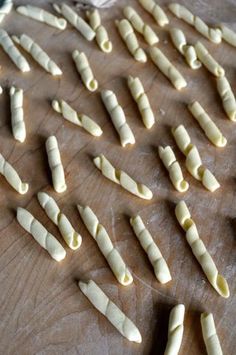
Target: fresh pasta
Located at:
point(208, 61)
point(228, 35)
point(227, 96)
point(101, 33)
point(210, 336)
point(17, 114)
point(156, 11)
point(175, 330)
point(5, 9)
point(84, 69)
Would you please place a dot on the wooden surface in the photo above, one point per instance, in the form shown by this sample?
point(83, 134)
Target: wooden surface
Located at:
point(42, 311)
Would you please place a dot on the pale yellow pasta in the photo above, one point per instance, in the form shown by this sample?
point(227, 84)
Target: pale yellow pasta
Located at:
point(175, 330)
point(227, 97)
point(176, 176)
point(17, 114)
point(5, 9)
point(193, 160)
point(167, 68)
point(71, 237)
point(208, 61)
point(105, 306)
point(54, 160)
point(41, 15)
point(75, 20)
point(137, 22)
point(208, 126)
point(84, 69)
point(121, 178)
point(12, 177)
point(156, 11)
point(78, 119)
point(127, 33)
point(159, 264)
point(217, 281)
point(39, 55)
point(101, 33)
point(180, 11)
point(118, 117)
point(139, 95)
point(9, 47)
point(228, 35)
point(210, 336)
point(111, 254)
point(45, 239)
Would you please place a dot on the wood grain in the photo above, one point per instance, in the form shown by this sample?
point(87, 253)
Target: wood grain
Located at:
point(42, 310)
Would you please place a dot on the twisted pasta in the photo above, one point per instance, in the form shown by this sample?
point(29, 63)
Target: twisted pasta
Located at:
point(227, 96)
point(38, 54)
point(118, 117)
point(175, 330)
point(85, 71)
point(101, 33)
point(209, 334)
point(17, 114)
point(5, 9)
point(40, 234)
point(217, 281)
point(10, 174)
point(208, 61)
point(121, 178)
point(71, 237)
point(156, 11)
point(228, 35)
point(159, 264)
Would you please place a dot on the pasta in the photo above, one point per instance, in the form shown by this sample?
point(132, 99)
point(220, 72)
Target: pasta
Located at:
point(208, 61)
point(10, 174)
point(193, 159)
point(118, 117)
point(156, 11)
point(127, 33)
point(228, 35)
point(101, 33)
point(54, 160)
point(137, 22)
point(75, 20)
point(208, 126)
point(217, 281)
point(105, 306)
point(106, 246)
point(40, 234)
point(180, 11)
point(209, 334)
point(38, 14)
point(227, 97)
point(167, 68)
point(138, 94)
point(17, 114)
point(9, 47)
point(159, 264)
point(78, 119)
point(71, 237)
point(84, 69)
point(175, 330)
point(176, 176)
point(5, 9)
point(1, 91)
point(38, 54)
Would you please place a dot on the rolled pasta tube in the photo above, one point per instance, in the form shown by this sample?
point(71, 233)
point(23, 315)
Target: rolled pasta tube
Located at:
point(78, 119)
point(208, 61)
point(217, 281)
point(40, 234)
point(71, 237)
point(118, 117)
point(105, 306)
point(227, 96)
point(1, 91)
point(5, 9)
point(9, 47)
point(167, 68)
point(208, 126)
point(176, 176)
point(156, 11)
point(138, 94)
point(228, 35)
point(121, 178)
point(137, 22)
point(41, 15)
point(75, 20)
point(54, 160)
point(17, 114)
point(12, 177)
point(159, 264)
point(127, 33)
point(175, 330)
point(41, 57)
point(210, 336)
point(180, 11)
point(101, 33)
point(84, 69)
point(111, 254)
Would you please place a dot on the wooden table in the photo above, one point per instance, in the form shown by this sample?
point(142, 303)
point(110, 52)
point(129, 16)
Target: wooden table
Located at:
point(42, 309)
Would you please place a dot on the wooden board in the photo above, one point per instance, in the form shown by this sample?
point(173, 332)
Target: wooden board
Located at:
point(42, 310)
